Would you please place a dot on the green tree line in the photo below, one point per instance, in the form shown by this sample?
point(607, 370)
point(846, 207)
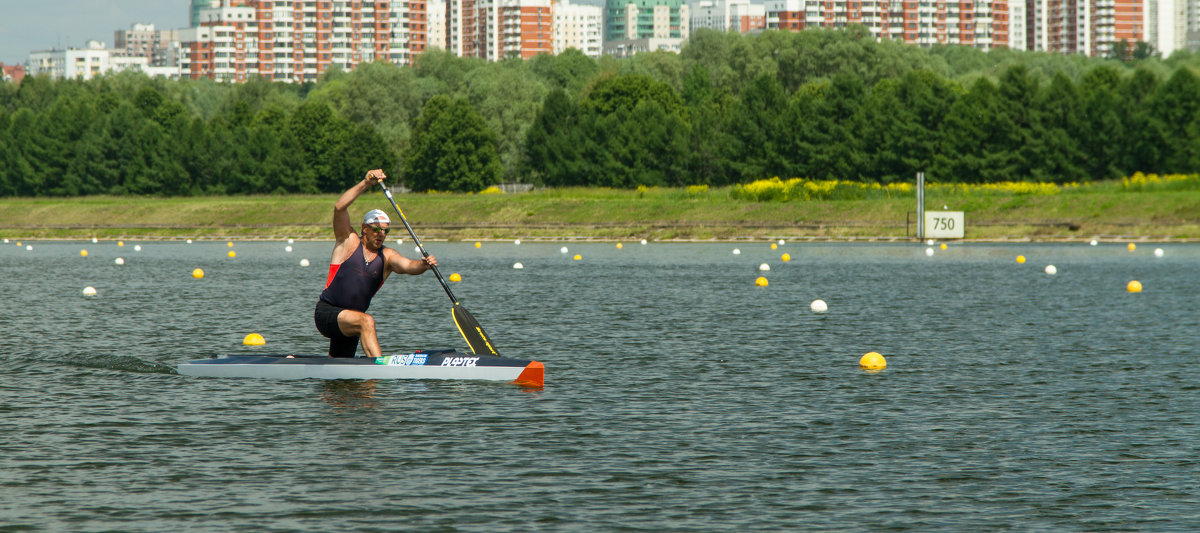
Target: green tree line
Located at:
point(821, 104)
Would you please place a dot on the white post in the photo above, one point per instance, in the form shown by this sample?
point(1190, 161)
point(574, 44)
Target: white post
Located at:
point(920, 206)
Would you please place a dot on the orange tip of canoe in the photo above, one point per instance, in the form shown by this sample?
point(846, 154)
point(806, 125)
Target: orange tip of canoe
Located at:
point(534, 376)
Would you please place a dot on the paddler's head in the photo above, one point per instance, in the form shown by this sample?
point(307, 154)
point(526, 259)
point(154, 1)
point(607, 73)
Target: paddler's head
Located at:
point(375, 227)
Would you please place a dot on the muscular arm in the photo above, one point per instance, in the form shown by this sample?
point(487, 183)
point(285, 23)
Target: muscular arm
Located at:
point(402, 265)
point(341, 216)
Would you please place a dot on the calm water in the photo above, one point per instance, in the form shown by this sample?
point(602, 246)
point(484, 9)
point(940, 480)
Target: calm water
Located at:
point(679, 396)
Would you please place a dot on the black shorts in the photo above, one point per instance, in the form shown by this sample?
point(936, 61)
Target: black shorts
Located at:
point(340, 345)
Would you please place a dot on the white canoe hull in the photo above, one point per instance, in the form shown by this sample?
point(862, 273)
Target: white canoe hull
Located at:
point(437, 364)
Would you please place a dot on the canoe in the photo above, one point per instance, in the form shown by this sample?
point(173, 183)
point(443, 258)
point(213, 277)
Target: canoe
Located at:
point(420, 364)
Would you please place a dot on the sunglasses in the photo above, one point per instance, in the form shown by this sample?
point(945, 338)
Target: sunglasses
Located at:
point(380, 229)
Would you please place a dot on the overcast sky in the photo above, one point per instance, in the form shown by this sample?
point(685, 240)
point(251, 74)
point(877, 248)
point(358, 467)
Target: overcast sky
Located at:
point(28, 25)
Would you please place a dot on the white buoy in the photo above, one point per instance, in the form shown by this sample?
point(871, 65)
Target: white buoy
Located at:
point(1158, 252)
point(1051, 270)
point(304, 262)
point(189, 241)
point(517, 242)
point(28, 247)
point(736, 251)
point(518, 266)
point(119, 261)
point(781, 243)
point(563, 249)
point(5, 241)
point(287, 249)
point(818, 306)
point(643, 241)
point(89, 291)
point(417, 249)
point(1094, 242)
point(291, 241)
point(137, 247)
point(929, 252)
point(94, 240)
point(929, 242)
point(764, 267)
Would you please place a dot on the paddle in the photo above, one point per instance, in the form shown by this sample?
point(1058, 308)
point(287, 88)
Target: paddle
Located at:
point(470, 329)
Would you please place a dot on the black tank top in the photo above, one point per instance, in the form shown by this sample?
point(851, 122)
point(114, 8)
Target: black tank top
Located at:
point(355, 281)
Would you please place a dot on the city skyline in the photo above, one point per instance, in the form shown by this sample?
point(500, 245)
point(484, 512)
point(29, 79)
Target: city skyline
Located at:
point(30, 26)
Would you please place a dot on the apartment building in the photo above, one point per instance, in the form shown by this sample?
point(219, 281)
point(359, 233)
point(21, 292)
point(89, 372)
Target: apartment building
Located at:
point(1094, 27)
point(578, 26)
point(633, 26)
point(286, 40)
point(980, 24)
point(71, 63)
point(728, 15)
point(159, 47)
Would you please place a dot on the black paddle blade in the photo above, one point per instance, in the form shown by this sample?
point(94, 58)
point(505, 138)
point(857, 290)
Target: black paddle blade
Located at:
point(471, 331)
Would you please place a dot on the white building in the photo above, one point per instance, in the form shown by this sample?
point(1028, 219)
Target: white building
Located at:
point(578, 26)
point(728, 15)
point(1168, 25)
point(72, 63)
point(437, 23)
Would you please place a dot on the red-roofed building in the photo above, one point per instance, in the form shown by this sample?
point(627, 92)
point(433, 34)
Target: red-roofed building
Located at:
point(13, 73)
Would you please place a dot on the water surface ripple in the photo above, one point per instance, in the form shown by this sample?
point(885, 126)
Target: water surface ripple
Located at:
point(679, 396)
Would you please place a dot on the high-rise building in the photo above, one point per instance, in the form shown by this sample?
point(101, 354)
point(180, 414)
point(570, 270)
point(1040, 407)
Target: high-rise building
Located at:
point(632, 26)
point(499, 29)
point(1094, 27)
point(728, 15)
point(980, 24)
point(578, 26)
point(436, 36)
point(298, 40)
point(159, 47)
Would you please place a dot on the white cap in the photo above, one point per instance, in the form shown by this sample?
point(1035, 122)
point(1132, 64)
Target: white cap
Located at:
point(375, 215)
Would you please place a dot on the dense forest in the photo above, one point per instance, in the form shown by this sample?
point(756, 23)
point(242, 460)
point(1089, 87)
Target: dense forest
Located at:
point(820, 104)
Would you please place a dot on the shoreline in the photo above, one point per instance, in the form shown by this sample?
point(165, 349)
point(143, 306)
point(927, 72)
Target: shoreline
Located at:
point(434, 233)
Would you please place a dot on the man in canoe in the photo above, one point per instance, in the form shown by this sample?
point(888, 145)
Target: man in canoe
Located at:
point(358, 268)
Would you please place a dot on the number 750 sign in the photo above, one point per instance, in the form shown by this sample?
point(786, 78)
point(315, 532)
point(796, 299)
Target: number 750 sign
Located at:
point(944, 224)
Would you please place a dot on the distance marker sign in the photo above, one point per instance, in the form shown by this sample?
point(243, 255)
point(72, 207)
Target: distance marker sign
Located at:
point(944, 224)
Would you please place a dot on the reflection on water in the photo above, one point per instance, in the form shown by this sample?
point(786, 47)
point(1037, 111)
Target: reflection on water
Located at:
point(350, 393)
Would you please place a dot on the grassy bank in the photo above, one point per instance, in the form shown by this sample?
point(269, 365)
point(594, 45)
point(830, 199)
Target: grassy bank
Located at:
point(1106, 210)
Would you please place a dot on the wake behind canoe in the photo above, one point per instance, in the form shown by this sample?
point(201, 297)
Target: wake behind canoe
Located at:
point(420, 364)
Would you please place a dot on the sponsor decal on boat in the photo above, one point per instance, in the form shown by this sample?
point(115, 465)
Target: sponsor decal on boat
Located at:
point(459, 361)
point(408, 359)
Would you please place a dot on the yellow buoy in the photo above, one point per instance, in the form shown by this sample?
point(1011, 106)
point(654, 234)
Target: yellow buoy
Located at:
point(83, 253)
point(119, 243)
point(1020, 259)
point(198, 273)
point(774, 246)
point(232, 253)
point(1132, 247)
point(478, 244)
point(619, 246)
point(760, 282)
point(578, 257)
point(254, 339)
point(455, 277)
point(1134, 286)
point(229, 244)
point(943, 246)
point(786, 257)
point(872, 361)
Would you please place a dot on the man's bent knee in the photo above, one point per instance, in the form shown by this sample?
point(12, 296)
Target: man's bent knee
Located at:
point(354, 323)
